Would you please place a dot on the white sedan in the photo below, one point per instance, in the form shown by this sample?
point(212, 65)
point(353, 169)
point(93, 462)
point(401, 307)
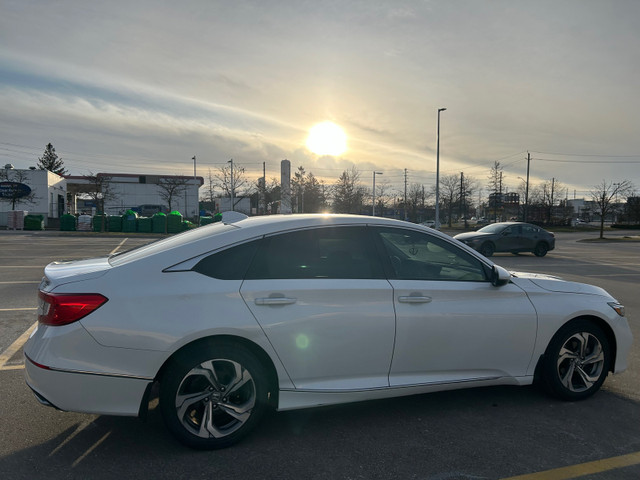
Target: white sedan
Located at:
point(306, 310)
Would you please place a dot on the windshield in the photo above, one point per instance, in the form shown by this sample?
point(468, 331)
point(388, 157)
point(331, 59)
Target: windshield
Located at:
point(493, 228)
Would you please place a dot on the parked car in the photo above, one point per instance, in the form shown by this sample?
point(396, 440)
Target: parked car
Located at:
point(300, 311)
point(514, 237)
point(151, 210)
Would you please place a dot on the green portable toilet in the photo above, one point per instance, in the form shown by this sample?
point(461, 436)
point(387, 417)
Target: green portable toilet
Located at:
point(115, 223)
point(159, 223)
point(206, 220)
point(100, 223)
point(174, 222)
point(34, 222)
point(145, 224)
point(130, 221)
point(68, 223)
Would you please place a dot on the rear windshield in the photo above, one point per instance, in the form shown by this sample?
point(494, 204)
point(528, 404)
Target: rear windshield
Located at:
point(170, 242)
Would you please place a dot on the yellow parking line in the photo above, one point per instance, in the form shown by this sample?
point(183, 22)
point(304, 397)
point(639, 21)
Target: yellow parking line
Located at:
point(118, 247)
point(20, 282)
point(18, 309)
point(589, 468)
point(13, 348)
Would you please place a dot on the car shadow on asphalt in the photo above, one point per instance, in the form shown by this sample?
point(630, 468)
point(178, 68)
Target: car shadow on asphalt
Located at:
point(492, 432)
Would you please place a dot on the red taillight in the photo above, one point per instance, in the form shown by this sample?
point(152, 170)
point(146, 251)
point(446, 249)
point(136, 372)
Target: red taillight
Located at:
point(61, 308)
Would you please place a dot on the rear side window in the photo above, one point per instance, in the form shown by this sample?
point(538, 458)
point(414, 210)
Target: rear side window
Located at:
point(330, 252)
point(229, 264)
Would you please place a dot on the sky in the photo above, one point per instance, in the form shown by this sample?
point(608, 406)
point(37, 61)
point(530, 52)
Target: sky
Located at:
point(144, 86)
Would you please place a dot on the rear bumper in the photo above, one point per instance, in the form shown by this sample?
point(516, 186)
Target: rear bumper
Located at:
point(86, 392)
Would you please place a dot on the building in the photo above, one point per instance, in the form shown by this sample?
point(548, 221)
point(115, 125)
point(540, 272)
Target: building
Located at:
point(39, 192)
point(142, 193)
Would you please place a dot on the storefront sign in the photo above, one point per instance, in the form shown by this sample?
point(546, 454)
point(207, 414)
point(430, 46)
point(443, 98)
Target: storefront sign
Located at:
point(14, 190)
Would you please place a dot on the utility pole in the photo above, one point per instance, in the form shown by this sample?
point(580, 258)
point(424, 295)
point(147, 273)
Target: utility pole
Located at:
point(373, 204)
point(463, 200)
point(553, 182)
point(405, 195)
point(263, 193)
point(231, 186)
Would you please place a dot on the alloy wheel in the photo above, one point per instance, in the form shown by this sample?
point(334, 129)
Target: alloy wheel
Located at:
point(580, 362)
point(215, 398)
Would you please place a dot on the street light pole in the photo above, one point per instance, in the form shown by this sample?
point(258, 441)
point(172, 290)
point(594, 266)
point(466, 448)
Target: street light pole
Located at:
point(437, 225)
point(197, 194)
point(373, 208)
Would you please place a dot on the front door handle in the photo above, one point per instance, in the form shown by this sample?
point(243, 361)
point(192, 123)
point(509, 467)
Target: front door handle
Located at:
point(414, 299)
point(275, 301)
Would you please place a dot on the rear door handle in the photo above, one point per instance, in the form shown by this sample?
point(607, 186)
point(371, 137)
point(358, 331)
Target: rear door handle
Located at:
point(275, 301)
point(414, 299)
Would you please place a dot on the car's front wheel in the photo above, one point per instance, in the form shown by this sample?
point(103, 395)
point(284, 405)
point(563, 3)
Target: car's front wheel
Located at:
point(541, 249)
point(577, 361)
point(213, 395)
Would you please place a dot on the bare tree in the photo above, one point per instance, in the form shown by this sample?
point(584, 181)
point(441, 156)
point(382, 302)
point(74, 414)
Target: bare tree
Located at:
point(209, 194)
point(235, 187)
point(605, 195)
point(12, 189)
point(415, 200)
point(384, 196)
point(449, 192)
point(100, 190)
point(172, 187)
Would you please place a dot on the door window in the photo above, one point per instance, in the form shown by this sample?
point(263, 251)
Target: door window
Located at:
point(419, 256)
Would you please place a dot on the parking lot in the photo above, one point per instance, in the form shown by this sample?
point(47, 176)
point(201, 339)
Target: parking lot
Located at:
point(485, 433)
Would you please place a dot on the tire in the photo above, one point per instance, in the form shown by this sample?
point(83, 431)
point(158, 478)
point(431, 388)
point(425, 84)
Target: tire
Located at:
point(487, 249)
point(212, 395)
point(541, 249)
point(577, 361)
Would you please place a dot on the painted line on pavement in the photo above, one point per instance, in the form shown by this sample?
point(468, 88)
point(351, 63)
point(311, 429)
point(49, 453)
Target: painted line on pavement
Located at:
point(26, 309)
point(91, 449)
point(20, 282)
point(13, 348)
point(118, 247)
point(589, 468)
point(21, 266)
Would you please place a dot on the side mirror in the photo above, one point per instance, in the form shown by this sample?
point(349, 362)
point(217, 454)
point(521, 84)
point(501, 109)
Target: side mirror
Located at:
point(499, 276)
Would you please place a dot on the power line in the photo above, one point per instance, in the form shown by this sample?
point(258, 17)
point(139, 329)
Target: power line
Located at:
point(587, 155)
point(557, 160)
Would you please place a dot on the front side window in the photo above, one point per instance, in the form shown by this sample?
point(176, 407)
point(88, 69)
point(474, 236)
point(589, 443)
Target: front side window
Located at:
point(328, 252)
point(419, 256)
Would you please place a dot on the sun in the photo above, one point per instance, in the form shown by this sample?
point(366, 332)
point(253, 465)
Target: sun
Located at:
point(327, 138)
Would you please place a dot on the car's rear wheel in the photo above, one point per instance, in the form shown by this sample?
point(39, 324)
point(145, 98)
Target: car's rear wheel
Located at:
point(577, 361)
point(213, 395)
point(487, 249)
point(541, 249)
